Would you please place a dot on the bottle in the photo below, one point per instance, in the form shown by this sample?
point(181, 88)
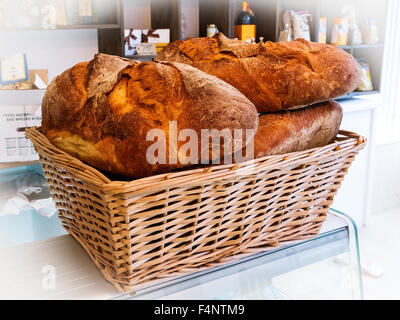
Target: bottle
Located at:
point(354, 36)
point(340, 30)
point(323, 21)
point(284, 35)
point(261, 40)
point(245, 28)
point(211, 30)
point(369, 31)
point(246, 16)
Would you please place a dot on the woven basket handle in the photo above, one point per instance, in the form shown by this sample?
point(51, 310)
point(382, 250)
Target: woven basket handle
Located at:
point(348, 134)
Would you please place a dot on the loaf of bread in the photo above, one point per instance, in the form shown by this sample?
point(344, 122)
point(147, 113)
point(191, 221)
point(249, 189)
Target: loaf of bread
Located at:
point(274, 76)
point(102, 112)
point(297, 130)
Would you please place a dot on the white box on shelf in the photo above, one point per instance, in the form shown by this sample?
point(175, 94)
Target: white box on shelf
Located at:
point(14, 147)
point(160, 37)
point(155, 35)
point(132, 37)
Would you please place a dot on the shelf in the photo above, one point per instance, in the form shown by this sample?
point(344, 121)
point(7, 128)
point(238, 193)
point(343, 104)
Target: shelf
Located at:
point(23, 90)
point(357, 93)
point(332, 241)
point(89, 26)
point(362, 46)
point(8, 165)
point(68, 27)
point(141, 57)
point(82, 280)
point(371, 53)
point(21, 97)
point(364, 93)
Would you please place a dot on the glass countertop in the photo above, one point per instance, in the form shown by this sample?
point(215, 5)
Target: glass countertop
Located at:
point(325, 267)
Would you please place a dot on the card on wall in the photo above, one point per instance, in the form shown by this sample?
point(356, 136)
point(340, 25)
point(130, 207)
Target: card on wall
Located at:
point(13, 69)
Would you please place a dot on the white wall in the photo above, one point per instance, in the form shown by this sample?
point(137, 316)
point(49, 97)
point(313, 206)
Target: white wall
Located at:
point(388, 127)
point(352, 197)
point(385, 191)
point(137, 14)
point(55, 50)
point(189, 18)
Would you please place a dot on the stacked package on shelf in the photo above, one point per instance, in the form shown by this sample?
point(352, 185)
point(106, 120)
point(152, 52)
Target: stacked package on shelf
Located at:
point(15, 115)
point(14, 147)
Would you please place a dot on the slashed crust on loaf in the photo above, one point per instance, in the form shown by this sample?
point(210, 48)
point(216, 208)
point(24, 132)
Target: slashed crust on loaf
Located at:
point(101, 111)
point(274, 76)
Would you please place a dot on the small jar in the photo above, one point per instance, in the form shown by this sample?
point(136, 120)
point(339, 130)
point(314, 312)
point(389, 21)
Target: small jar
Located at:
point(211, 30)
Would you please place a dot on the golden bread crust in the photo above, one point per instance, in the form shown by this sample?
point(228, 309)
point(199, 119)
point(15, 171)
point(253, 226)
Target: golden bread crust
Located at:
point(297, 130)
point(102, 111)
point(274, 76)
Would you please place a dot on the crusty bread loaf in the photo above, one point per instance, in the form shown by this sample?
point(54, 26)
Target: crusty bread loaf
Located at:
point(274, 76)
point(102, 111)
point(297, 130)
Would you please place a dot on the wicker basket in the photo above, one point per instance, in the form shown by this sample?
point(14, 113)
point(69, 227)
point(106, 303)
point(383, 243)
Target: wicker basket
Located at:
point(164, 226)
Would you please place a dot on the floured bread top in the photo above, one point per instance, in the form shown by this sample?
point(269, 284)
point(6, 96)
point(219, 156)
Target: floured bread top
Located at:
point(102, 111)
point(274, 76)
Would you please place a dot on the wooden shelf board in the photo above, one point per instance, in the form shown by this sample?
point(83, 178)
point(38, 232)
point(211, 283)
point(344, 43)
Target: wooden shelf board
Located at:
point(141, 57)
point(7, 165)
point(21, 97)
point(68, 27)
point(357, 93)
point(363, 93)
point(90, 26)
point(22, 90)
point(362, 46)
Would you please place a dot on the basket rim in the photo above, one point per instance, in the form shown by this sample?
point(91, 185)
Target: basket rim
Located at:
point(345, 141)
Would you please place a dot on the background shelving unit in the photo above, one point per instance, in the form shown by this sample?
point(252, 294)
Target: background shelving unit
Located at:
point(268, 17)
point(365, 9)
point(108, 29)
point(194, 15)
point(109, 26)
point(54, 49)
point(69, 44)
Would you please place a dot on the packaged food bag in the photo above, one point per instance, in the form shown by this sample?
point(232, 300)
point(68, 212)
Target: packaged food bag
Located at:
point(366, 82)
point(340, 30)
point(300, 24)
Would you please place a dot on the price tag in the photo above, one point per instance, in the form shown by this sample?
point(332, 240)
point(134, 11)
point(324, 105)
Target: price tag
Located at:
point(146, 48)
